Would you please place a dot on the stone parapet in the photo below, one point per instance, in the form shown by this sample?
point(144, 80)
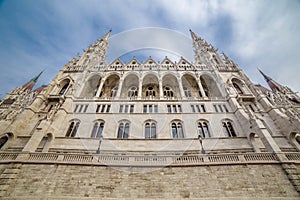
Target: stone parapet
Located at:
point(141, 160)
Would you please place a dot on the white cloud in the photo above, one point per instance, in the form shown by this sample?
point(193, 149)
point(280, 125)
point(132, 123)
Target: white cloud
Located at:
point(47, 34)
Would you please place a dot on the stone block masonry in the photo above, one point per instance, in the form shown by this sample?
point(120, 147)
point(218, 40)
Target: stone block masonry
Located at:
point(62, 181)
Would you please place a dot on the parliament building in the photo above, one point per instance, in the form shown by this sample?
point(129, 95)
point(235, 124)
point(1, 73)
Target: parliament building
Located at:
point(195, 129)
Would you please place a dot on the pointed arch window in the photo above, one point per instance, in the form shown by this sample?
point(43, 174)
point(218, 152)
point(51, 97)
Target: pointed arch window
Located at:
point(168, 92)
point(133, 92)
point(150, 130)
point(187, 92)
point(177, 129)
point(123, 130)
point(238, 89)
point(150, 92)
point(64, 88)
point(215, 59)
point(228, 128)
point(114, 91)
point(73, 128)
point(97, 130)
point(203, 129)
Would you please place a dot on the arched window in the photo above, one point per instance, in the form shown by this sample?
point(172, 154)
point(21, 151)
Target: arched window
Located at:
point(123, 131)
point(110, 86)
point(203, 129)
point(168, 92)
point(177, 129)
point(73, 128)
point(91, 87)
point(114, 91)
point(237, 87)
point(97, 130)
point(228, 129)
point(216, 60)
point(133, 92)
point(150, 92)
point(150, 130)
point(64, 88)
point(187, 92)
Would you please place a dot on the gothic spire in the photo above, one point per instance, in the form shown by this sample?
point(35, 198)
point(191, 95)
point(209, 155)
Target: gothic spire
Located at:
point(96, 53)
point(202, 49)
point(29, 85)
point(107, 35)
point(104, 38)
point(197, 39)
point(194, 36)
point(272, 84)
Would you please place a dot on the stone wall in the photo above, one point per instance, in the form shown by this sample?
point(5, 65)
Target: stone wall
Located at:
point(41, 181)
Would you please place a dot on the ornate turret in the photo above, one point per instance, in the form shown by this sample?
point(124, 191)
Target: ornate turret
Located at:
point(96, 53)
point(14, 102)
point(202, 49)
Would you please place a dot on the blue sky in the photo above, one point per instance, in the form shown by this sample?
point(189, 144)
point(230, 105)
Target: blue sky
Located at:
point(44, 35)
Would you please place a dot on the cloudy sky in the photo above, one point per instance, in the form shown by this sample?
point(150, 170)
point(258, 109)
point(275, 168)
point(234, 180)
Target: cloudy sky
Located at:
point(44, 35)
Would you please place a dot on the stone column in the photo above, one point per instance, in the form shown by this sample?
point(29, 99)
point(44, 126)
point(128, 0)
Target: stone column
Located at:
point(201, 88)
point(161, 92)
point(265, 136)
point(33, 142)
point(181, 88)
point(47, 143)
point(120, 88)
point(140, 89)
point(100, 88)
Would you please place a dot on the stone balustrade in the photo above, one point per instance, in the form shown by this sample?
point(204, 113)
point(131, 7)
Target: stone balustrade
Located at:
point(146, 160)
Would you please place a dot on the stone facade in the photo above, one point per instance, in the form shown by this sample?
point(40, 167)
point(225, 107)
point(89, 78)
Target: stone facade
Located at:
point(41, 181)
point(138, 116)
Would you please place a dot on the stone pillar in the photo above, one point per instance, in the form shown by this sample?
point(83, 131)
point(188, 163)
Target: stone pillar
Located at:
point(181, 88)
point(265, 136)
point(100, 88)
point(47, 143)
point(33, 142)
point(120, 88)
point(140, 89)
point(161, 92)
point(201, 88)
point(253, 142)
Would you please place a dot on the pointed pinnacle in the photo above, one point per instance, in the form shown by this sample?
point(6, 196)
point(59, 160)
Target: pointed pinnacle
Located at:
point(267, 78)
point(107, 35)
point(194, 36)
point(37, 77)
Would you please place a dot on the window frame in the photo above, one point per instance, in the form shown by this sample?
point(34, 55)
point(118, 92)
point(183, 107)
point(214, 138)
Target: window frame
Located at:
point(72, 128)
point(150, 127)
point(123, 133)
point(177, 129)
point(98, 128)
point(203, 128)
point(228, 128)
